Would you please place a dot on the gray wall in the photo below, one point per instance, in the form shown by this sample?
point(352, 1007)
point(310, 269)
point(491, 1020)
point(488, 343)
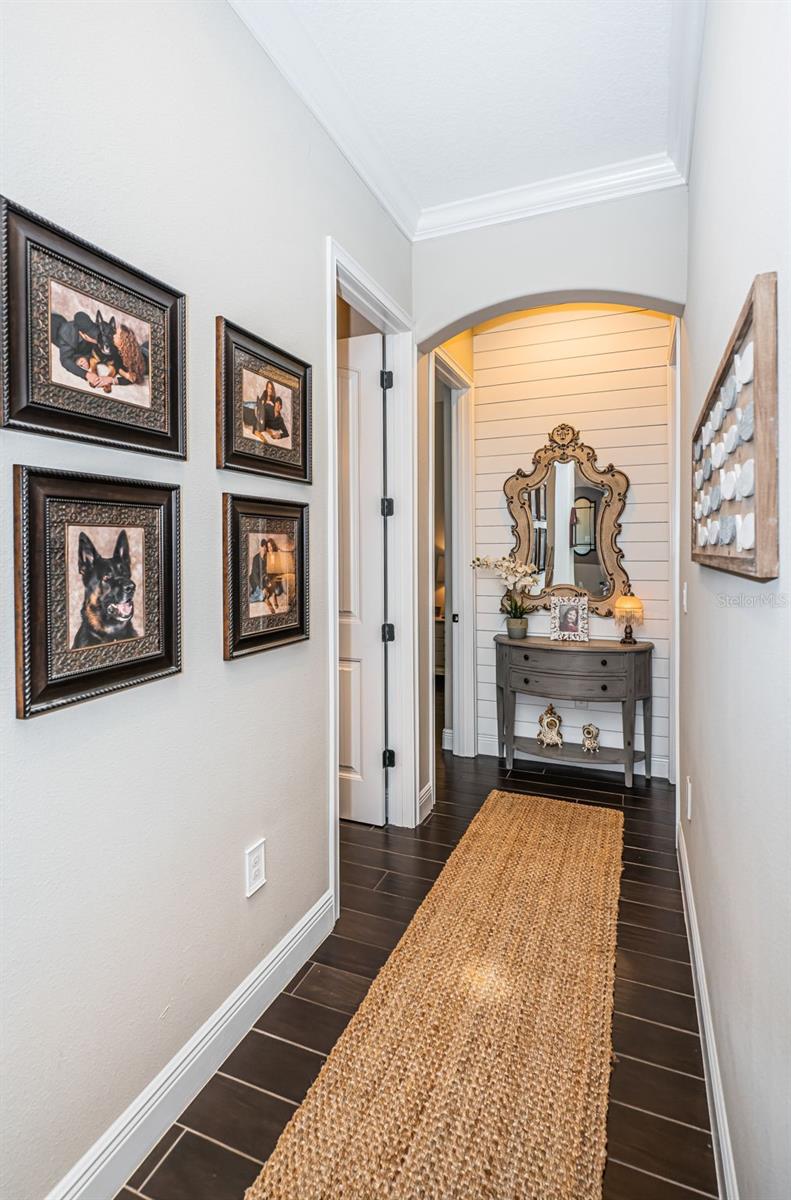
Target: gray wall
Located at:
point(163, 133)
point(736, 638)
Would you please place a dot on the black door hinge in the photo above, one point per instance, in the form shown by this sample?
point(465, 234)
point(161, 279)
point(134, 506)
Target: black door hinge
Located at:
point(388, 506)
point(455, 618)
point(388, 632)
point(388, 758)
point(385, 380)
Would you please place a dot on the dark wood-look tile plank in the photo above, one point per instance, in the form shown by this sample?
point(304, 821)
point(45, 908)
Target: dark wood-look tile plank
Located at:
point(389, 860)
point(379, 904)
point(382, 839)
point(426, 834)
point(657, 1090)
point(658, 972)
point(276, 1066)
point(650, 917)
point(669, 880)
point(403, 885)
point(153, 1159)
point(196, 1169)
point(626, 1183)
point(653, 941)
point(301, 973)
point(650, 858)
point(663, 1147)
point(239, 1116)
point(643, 841)
point(346, 955)
point(364, 927)
point(647, 893)
point(664, 1047)
point(359, 875)
point(656, 1004)
point(301, 1021)
point(336, 989)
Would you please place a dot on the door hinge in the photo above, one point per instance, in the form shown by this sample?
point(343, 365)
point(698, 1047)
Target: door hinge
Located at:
point(388, 506)
point(455, 618)
point(385, 380)
point(388, 632)
point(388, 758)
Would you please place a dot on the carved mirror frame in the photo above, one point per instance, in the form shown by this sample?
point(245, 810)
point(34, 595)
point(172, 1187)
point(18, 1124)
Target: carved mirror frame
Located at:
point(565, 446)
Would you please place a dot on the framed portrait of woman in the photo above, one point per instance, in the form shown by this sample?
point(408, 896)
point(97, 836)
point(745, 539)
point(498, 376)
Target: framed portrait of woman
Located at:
point(265, 574)
point(263, 406)
point(92, 348)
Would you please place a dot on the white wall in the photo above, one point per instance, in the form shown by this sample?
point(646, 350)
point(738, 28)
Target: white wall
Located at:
point(630, 251)
point(603, 370)
point(163, 133)
point(736, 638)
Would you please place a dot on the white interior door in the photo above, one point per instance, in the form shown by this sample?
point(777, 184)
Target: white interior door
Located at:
point(361, 581)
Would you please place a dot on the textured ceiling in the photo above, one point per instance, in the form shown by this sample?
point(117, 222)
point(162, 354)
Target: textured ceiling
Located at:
point(474, 96)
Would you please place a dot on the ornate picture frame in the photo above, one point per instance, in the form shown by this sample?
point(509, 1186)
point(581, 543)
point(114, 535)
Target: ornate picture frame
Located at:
point(97, 576)
point(568, 619)
point(265, 574)
point(92, 348)
point(263, 406)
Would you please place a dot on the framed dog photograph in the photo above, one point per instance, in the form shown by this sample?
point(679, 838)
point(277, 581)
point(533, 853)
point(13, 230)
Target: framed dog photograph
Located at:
point(265, 574)
point(568, 619)
point(263, 406)
point(97, 586)
point(93, 348)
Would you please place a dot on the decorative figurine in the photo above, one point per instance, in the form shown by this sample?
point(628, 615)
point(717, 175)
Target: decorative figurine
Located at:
point(590, 739)
point(550, 734)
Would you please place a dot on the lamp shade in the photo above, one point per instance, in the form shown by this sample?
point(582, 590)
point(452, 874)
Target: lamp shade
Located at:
point(629, 610)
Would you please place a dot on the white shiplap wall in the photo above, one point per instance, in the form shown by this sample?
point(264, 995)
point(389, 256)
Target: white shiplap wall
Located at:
point(604, 370)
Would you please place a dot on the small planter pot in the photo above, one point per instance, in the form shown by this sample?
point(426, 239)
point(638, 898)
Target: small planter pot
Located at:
point(516, 626)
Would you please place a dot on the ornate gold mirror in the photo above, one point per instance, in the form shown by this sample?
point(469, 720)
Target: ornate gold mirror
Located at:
point(566, 515)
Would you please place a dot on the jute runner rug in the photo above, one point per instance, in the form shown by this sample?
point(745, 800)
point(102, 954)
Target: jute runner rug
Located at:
point(478, 1065)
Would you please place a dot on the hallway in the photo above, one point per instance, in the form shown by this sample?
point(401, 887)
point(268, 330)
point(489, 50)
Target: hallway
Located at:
point(659, 1144)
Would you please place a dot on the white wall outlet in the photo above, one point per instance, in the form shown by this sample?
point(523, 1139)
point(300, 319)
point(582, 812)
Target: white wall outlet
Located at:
point(254, 867)
point(689, 798)
point(684, 596)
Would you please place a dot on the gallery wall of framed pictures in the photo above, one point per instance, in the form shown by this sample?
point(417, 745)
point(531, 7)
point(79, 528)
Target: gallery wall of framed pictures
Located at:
point(95, 350)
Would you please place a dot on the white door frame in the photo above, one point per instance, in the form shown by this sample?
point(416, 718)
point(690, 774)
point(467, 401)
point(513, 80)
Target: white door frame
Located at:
point(464, 682)
point(347, 278)
point(674, 447)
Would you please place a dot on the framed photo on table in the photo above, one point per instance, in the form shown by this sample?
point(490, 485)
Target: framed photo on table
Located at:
point(97, 586)
point(568, 619)
point(265, 574)
point(92, 348)
point(263, 406)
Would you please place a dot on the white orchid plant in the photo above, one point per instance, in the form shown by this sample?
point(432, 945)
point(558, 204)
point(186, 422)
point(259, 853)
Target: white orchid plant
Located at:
point(518, 577)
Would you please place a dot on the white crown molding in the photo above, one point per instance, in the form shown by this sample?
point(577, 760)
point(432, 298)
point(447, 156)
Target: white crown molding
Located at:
point(277, 28)
point(550, 195)
point(686, 48)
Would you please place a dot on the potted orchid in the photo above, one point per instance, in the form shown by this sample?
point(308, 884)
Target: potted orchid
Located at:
point(519, 578)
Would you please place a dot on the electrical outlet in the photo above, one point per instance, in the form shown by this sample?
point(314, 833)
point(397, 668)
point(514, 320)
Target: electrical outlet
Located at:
point(689, 798)
point(684, 596)
point(254, 867)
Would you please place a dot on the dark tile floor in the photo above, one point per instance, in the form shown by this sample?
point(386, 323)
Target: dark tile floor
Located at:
point(659, 1142)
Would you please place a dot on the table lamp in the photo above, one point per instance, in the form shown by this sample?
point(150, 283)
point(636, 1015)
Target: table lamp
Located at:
point(628, 612)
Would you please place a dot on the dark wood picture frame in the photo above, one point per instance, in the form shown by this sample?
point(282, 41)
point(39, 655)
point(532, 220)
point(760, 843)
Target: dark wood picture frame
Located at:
point(37, 255)
point(41, 587)
point(239, 452)
point(757, 322)
point(237, 513)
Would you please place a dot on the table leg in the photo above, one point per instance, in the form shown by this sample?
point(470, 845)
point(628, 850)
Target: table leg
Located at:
point(647, 735)
point(628, 740)
point(500, 730)
point(509, 709)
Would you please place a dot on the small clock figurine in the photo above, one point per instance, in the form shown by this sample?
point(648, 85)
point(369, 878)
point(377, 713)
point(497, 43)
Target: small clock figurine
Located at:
point(549, 723)
point(590, 739)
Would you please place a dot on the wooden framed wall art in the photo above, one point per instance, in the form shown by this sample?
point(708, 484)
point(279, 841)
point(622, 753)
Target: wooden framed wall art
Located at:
point(263, 406)
point(97, 586)
point(734, 448)
point(92, 348)
point(265, 574)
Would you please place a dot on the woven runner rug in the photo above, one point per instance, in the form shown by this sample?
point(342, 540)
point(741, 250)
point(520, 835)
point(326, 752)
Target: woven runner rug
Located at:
point(478, 1065)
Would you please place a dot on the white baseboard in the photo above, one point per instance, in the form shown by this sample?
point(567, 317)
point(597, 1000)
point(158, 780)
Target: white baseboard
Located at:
point(723, 1148)
point(104, 1169)
point(487, 744)
point(425, 802)
point(447, 739)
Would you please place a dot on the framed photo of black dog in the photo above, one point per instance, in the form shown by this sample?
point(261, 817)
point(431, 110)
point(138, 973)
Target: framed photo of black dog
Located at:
point(97, 586)
point(265, 574)
point(92, 348)
point(263, 406)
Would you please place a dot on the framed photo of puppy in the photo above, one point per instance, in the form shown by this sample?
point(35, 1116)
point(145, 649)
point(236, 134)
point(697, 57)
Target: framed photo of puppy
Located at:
point(93, 348)
point(265, 574)
point(263, 406)
point(97, 586)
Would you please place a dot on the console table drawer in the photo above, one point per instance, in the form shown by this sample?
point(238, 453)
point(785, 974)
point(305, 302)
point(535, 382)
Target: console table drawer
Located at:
point(578, 662)
point(587, 686)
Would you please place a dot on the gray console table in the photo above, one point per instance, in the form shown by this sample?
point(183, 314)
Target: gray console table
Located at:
point(601, 670)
